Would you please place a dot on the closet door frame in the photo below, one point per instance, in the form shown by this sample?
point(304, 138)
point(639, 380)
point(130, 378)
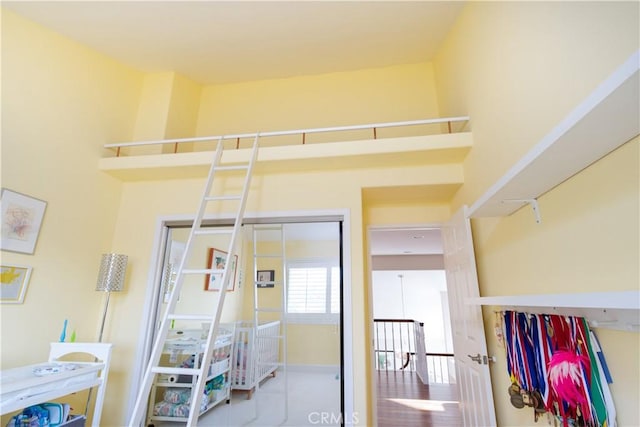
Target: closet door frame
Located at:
point(163, 223)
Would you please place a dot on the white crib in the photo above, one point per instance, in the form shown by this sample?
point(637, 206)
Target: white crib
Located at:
point(255, 357)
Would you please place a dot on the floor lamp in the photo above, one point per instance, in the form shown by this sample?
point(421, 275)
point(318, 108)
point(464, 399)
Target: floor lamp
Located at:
point(110, 279)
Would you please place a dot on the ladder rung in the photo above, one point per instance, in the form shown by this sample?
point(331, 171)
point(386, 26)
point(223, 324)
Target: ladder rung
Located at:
point(282, 365)
point(212, 231)
point(190, 317)
point(175, 371)
point(202, 271)
point(270, 337)
point(216, 198)
point(269, 227)
point(232, 168)
point(270, 310)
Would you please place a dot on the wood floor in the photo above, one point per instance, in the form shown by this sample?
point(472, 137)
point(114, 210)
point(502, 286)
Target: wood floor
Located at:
point(404, 401)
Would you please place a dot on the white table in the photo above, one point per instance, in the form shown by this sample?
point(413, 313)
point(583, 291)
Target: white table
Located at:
point(42, 382)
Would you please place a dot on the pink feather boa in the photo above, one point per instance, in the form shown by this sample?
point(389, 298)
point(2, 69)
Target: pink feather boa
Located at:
point(565, 376)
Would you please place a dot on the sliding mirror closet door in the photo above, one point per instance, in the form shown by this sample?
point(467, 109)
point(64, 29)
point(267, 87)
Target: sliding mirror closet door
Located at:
point(284, 308)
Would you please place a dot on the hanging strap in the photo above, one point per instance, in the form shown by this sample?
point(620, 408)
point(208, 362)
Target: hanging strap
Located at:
point(580, 341)
point(526, 353)
point(598, 398)
point(542, 353)
point(509, 344)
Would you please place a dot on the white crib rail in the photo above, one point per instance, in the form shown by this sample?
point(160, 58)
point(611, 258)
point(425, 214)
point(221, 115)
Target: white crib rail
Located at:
point(247, 372)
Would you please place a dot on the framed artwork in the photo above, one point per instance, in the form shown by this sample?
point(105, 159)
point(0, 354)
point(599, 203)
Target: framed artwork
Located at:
point(217, 259)
point(21, 220)
point(265, 278)
point(13, 283)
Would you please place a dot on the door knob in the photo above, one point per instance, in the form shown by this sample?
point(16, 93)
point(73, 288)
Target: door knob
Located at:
point(476, 358)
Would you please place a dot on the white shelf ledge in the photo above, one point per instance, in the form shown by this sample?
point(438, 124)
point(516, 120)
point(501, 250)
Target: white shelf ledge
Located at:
point(626, 300)
point(606, 119)
point(609, 310)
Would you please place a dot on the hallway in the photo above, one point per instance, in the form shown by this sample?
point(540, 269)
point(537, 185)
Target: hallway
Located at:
point(404, 400)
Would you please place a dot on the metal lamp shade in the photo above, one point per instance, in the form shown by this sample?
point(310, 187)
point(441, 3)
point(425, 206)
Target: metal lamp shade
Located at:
point(112, 270)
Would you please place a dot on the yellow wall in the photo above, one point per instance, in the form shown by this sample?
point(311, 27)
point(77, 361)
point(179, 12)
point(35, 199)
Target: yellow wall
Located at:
point(142, 202)
point(326, 344)
point(168, 109)
point(397, 93)
point(504, 64)
point(193, 297)
point(517, 68)
point(151, 121)
point(60, 103)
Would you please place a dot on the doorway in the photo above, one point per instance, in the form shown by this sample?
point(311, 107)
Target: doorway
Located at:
point(311, 245)
point(413, 365)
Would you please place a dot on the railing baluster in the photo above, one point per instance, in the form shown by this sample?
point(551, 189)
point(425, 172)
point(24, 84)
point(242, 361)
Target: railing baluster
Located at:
point(393, 344)
point(386, 364)
point(376, 345)
point(412, 349)
point(401, 346)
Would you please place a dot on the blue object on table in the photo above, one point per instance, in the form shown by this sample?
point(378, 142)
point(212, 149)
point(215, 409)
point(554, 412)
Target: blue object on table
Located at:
point(63, 335)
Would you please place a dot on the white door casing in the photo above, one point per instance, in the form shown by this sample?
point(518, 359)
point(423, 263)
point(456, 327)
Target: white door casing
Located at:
point(474, 381)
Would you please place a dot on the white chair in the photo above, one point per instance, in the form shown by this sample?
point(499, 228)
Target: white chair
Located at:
point(101, 352)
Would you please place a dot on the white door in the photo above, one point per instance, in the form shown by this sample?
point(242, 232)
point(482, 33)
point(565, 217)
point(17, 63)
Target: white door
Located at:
point(470, 347)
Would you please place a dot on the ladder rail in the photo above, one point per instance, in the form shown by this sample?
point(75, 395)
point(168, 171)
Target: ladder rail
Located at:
point(196, 400)
point(162, 332)
point(282, 338)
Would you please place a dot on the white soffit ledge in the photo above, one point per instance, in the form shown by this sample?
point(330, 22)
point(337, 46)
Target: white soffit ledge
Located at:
point(628, 300)
point(606, 119)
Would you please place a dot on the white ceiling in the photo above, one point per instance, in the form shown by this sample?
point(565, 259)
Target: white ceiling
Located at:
point(231, 41)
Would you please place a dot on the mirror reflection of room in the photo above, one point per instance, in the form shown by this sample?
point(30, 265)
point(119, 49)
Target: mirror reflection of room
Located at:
point(277, 354)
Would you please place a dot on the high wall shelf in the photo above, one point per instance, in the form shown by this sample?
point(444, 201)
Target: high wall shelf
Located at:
point(606, 119)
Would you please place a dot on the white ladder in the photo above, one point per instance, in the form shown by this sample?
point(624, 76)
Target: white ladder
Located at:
point(153, 366)
point(282, 284)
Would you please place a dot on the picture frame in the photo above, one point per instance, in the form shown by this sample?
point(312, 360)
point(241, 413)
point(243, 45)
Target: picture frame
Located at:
point(217, 259)
point(265, 278)
point(21, 221)
point(14, 281)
